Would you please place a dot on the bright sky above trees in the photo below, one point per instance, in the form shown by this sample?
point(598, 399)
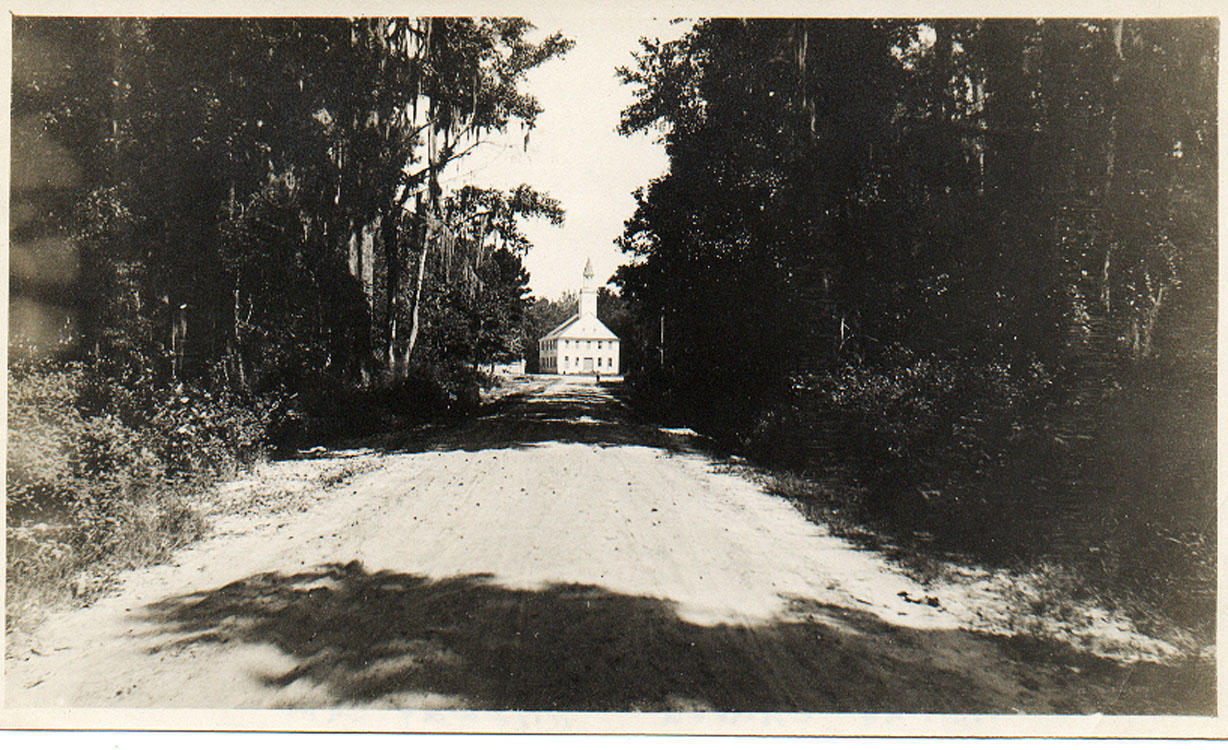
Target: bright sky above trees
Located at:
point(574, 153)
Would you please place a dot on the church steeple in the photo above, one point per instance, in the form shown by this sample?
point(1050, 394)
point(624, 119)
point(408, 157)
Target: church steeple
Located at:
point(588, 293)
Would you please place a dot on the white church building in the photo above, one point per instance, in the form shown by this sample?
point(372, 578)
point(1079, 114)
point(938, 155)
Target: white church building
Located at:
point(582, 344)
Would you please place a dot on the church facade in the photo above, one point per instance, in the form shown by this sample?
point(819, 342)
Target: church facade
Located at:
point(581, 345)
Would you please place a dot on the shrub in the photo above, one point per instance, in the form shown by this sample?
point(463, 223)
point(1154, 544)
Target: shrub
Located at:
point(435, 392)
point(1111, 472)
point(44, 429)
point(907, 422)
point(99, 474)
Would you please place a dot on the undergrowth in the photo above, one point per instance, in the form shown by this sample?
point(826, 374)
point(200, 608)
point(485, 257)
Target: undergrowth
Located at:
point(1104, 479)
point(100, 478)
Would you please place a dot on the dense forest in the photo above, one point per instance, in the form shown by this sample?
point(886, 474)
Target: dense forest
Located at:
point(237, 235)
point(958, 277)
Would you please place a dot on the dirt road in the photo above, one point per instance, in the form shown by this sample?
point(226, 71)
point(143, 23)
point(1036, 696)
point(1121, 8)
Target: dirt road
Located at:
point(557, 554)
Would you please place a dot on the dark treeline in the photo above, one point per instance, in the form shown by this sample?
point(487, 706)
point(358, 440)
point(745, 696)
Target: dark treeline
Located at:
point(968, 267)
point(260, 202)
point(258, 206)
point(235, 233)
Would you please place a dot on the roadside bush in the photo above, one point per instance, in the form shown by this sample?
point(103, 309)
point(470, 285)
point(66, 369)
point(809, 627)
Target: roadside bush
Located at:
point(100, 475)
point(908, 423)
point(43, 428)
point(317, 410)
point(434, 392)
point(1112, 474)
point(327, 409)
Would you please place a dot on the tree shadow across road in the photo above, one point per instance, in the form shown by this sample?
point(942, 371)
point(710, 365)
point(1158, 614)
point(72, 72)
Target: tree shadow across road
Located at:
point(362, 637)
point(578, 413)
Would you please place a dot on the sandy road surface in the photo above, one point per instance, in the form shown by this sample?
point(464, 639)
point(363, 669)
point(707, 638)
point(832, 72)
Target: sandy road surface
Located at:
point(553, 554)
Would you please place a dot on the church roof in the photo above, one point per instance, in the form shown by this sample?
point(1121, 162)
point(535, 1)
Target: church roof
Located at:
point(577, 327)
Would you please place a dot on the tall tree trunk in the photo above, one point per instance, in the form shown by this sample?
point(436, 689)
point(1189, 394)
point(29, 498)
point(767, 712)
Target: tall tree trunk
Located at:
point(415, 313)
point(236, 343)
point(392, 284)
point(1149, 322)
point(398, 361)
point(1110, 159)
point(433, 229)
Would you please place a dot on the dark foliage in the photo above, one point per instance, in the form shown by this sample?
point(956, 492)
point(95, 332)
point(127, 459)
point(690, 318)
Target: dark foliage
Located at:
point(965, 267)
point(233, 233)
point(543, 316)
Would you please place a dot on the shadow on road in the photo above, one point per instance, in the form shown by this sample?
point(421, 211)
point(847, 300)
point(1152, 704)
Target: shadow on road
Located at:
point(363, 636)
point(575, 413)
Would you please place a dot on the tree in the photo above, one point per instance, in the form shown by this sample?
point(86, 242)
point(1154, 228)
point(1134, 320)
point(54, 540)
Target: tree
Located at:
point(468, 71)
point(958, 188)
point(541, 317)
point(501, 306)
point(619, 317)
point(251, 213)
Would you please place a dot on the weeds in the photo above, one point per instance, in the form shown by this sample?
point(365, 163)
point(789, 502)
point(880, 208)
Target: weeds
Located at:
point(100, 480)
point(1101, 490)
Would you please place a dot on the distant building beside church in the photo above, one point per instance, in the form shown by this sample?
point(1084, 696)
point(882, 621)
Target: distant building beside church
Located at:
point(582, 344)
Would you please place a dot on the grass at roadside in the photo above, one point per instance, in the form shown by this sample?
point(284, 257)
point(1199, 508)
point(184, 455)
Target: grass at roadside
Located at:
point(99, 482)
point(1035, 598)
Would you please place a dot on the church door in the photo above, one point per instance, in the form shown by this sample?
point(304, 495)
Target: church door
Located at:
point(588, 364)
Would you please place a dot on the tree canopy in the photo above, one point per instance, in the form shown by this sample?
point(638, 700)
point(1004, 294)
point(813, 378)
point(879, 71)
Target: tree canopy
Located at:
point(1008, 190)
point(263, 199)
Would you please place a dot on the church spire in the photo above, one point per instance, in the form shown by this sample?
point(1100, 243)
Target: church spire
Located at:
point(588, 293)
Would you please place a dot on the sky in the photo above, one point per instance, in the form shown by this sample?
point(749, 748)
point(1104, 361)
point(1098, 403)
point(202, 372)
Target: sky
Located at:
point(574, 152)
